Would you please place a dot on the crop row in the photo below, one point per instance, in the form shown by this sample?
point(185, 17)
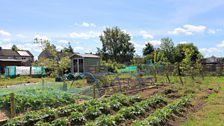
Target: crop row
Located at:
point(160, 116)
point(35, 99)
point(76, 114)
point(129, 112)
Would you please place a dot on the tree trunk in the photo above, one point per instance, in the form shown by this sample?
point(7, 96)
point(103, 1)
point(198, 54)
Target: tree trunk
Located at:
point(179, 73)
point(168, 78)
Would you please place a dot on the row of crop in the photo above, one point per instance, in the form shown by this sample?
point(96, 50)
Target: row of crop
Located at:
point(160, 116)
point(91, 110)
point(129, 112)
point(35, 99)
point(126, 110)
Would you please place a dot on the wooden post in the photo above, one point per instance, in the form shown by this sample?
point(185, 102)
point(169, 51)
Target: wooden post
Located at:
point(42, 83)
point(94, 91)
point(30, 71)
point(12, 105)
point(8, 72)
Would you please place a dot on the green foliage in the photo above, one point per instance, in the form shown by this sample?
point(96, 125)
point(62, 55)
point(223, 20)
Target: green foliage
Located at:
point(41, 123)
point(105, 121)
point(112, 66)
point(148, 49)
point(60, 122)
point(160, 115)
point(116, 45)
point(167, 49)
point(35, 99)
point(77, 117)
point(15, 48)
point(57, 62)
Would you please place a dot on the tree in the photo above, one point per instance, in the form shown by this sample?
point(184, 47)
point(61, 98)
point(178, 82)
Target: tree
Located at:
point(116, 45)
point(167, 48)
point(68, 49)
point(148, 49)
point(186, 53)
point(15, 48)
point(187, 56)
point(56, 63)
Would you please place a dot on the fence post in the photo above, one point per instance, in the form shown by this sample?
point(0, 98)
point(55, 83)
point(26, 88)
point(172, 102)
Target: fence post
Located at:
point(12, 105)
point(94, 91)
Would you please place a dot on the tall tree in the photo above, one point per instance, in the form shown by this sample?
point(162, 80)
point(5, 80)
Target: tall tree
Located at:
point(167, 48)
point(68, 49)
point(15, 48)
point(116, 45)
point(148, 49)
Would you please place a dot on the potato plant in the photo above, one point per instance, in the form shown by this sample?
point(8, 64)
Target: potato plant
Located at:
point(160, 115)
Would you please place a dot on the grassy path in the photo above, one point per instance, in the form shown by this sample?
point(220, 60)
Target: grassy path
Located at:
point(212, 112)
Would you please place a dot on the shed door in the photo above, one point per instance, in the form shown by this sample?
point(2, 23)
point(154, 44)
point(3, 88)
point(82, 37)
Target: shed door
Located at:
point(78, 65)
point(81, 65)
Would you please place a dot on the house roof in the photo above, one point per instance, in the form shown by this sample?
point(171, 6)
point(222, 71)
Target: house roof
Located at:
point(213, 59)
point(23, 53)
point(11, 53)
point(86, 55)
point(8, 52)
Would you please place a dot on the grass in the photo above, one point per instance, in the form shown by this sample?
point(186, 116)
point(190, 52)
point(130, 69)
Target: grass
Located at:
point(212, 112)
point(20, 80)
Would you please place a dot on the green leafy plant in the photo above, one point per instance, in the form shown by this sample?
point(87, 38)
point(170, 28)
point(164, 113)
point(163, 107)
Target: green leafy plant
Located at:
point(60, 122)
point(77, 118)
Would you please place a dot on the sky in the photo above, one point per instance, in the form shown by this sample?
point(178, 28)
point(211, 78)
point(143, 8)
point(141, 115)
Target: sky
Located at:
point(80, 22)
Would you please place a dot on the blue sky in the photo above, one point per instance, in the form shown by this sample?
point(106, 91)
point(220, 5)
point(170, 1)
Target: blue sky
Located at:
point(81, 22)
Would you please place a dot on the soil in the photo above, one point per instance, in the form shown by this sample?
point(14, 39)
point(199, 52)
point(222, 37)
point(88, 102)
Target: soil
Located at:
point(179, 119)
point(148, 92)
point(3, 117)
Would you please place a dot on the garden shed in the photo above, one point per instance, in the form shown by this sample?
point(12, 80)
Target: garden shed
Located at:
point(84, 63)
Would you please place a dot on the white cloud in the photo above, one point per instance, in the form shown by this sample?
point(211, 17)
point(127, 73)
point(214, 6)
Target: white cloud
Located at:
point(59, 47)
point(221, 45)
point(30, 46)
point(63, 41)
point(155, 42)
point(6, 46)
point(214, 31)
point(6, 40)
point(188, 29)
point(184, 42)
point(216, 51)
point(141, 46)
point(20, 35)
point(207, 52)
point(146, 35)
point(43, 37)
point(138, 46)
point(4, 33)
point(83, 35)
point(85, 24)
point(78, 48)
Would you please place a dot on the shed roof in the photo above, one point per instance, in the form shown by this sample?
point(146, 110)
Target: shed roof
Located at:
point(86, 55)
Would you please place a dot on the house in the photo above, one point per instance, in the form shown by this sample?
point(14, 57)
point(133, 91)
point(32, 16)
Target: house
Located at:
point(9, 57)
point(84, 63)
point(213, 64)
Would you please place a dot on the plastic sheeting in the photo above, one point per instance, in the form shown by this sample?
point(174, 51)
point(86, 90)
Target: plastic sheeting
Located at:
point(13, 71)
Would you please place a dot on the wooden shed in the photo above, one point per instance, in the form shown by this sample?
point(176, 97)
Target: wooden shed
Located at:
point(84, 63)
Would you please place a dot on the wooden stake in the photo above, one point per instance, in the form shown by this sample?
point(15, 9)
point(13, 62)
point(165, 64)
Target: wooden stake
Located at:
point(12, 105)
point(94, 91)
